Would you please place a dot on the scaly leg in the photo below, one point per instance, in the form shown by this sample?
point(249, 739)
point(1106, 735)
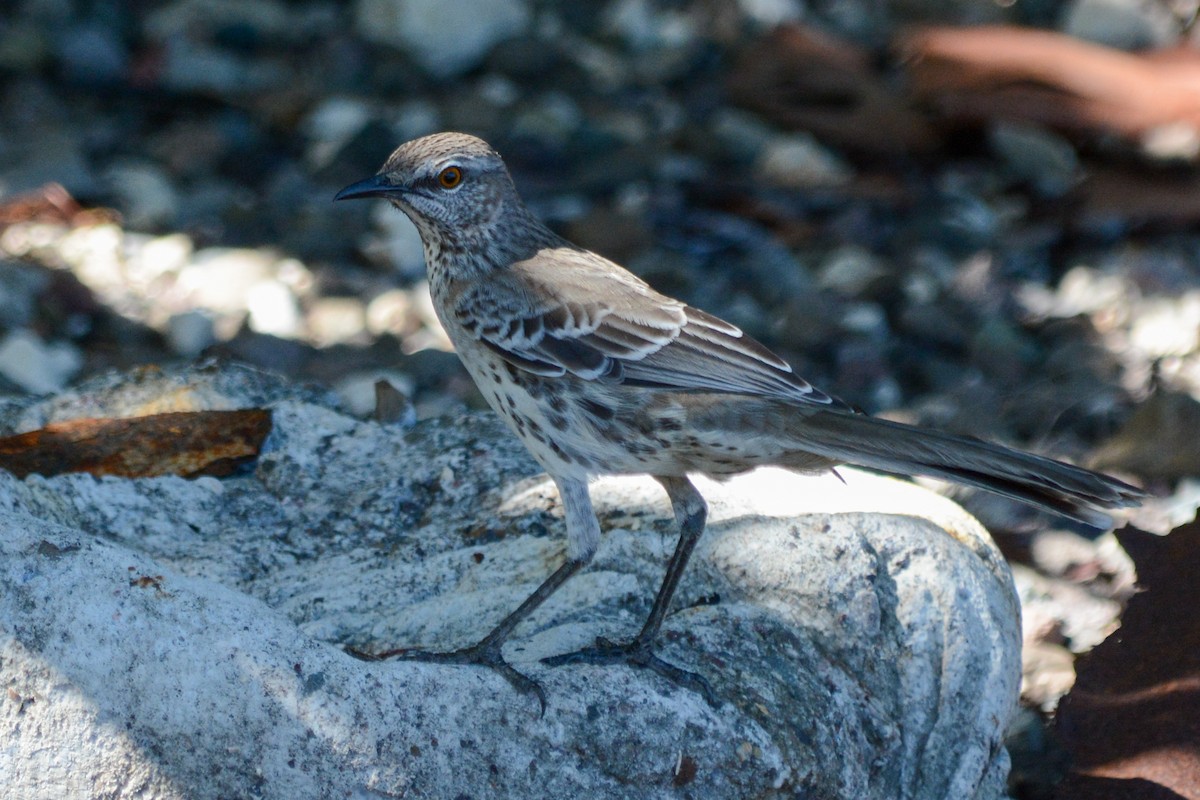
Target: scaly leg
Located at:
point(583, 535)
point(690, 512)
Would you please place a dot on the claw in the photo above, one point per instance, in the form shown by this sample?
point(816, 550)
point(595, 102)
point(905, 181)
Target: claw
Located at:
point(637, 653)
point(476, 655)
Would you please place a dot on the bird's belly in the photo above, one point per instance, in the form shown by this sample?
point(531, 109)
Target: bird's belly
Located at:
point(577, 428)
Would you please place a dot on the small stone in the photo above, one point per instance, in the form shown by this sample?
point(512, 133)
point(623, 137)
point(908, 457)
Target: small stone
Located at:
point(24, 47)
point(35, 366)
point(391, 312)
point(1166, 326)
point(799, 161)
point(359, 394)
point(145, 195)
point(190, 332)
point(92, 55)
point(219, 278)
point(554, 117)
point(767, 14)
point(738, 134)
point(1172, 141)
point(398, 244)
point(20, 286)
point(851, 270)
point(446, 39)
point(646, 25)
point(1038, 156)
point(1123, 24)
point(336, 320)
point(331, 124)
point(273, 309)
point(416, 118)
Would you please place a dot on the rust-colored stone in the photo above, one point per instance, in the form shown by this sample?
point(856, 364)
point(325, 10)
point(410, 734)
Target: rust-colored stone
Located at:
point(189, 444)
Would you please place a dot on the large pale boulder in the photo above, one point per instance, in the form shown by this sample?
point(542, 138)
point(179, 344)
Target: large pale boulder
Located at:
point(183, 639)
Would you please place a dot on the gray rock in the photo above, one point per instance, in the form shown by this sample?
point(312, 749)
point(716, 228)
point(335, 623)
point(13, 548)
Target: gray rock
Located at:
point(37, 367)
point(862, 637)
point(92, 55)
point(20, 286)
point(190, 332)
point(799, 161)
point(851, 270)
point(446, 39)
point(144, 193)
point(1037, 155)
point(1124, 24)
point(767, 14)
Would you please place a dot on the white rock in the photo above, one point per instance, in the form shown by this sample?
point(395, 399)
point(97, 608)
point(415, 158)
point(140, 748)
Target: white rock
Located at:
point(219, 278)
point(273, 309)
point(447, 39)
point(390, 312)
point(357, 392)
point(34, 365)
point(336, 320)
point(864, 641)
point(1164, 326)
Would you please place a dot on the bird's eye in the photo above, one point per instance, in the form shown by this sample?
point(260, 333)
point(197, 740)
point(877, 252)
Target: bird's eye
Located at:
point(450, 177)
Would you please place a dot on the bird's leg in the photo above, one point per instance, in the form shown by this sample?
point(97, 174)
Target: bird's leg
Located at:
point(690, 512)
point(583, 533)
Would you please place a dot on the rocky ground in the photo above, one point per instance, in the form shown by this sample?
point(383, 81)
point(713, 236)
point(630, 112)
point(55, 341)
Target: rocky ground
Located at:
point(166, 175)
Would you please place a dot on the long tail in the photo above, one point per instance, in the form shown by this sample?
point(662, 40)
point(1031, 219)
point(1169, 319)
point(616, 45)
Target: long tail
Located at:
point(903, 449)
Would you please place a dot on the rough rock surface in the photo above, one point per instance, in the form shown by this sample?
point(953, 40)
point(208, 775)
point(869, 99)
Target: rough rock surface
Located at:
point(171, 638)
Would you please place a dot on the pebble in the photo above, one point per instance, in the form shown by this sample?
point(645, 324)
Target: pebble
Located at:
point(20, 286)
point(851, 270)
point(331, 124)
point(397, 245)
point(189, 333)
point(273, 309)
point(336, 320)
point(391, 312)
point(446, 39)
point(767, 14)
point(799, 161)
point(358, 393)
point(91, 55)
point(37, 367)
point(1037, 155)
point(145, 193)
point(1167, 326)
point(1123, 24)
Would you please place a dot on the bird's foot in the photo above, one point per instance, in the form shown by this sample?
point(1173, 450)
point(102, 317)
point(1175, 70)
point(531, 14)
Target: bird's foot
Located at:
point(637, 653)
point(483, 654)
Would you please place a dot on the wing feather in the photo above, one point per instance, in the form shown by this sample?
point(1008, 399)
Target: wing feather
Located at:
point(595, 321)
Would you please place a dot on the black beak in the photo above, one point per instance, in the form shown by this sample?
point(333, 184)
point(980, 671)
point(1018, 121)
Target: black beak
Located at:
point(375, 186)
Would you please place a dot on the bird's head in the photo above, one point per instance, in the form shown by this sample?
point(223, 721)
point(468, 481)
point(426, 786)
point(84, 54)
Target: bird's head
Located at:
point(453, 186)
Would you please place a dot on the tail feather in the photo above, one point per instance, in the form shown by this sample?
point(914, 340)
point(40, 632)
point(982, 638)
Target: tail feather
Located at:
point(894, 447)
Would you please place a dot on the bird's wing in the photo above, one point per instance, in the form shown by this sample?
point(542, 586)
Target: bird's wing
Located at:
point(566, 310)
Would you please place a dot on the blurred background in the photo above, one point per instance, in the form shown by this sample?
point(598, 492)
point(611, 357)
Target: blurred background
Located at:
point(970, 214)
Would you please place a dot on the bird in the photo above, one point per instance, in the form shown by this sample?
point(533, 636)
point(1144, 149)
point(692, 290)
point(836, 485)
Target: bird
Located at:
point(597, 373)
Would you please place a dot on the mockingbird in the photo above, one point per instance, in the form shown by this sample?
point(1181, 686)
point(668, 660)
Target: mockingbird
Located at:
point(598, 373)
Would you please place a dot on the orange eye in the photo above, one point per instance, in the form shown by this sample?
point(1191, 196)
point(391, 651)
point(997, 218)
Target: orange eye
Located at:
point(450, 177)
